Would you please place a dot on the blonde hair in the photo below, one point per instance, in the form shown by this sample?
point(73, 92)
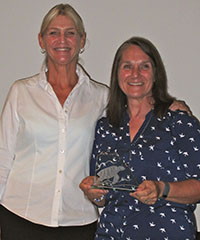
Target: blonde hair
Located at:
point(64, 10)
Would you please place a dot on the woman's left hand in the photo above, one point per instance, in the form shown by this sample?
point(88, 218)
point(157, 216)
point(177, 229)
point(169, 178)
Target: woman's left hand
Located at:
point(148, 192)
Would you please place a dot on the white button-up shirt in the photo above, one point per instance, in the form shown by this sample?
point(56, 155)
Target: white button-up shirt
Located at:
point(45, 150)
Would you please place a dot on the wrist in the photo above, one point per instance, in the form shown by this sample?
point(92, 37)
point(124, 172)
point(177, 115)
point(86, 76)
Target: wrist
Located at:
point(165, 192)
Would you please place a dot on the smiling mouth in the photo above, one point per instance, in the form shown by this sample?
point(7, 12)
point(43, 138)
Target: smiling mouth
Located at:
point(63, 49)
point(135, 83)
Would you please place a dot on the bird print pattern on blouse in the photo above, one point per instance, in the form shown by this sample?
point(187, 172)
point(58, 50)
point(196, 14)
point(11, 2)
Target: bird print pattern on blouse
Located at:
point(166, 149)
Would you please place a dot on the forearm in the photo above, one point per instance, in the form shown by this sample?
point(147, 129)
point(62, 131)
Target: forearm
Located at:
point(185, 192)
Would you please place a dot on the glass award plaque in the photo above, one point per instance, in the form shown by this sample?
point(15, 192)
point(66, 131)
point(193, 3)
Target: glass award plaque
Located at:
point(112, 172)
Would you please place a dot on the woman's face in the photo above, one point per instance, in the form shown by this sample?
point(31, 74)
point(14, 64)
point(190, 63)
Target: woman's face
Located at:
point(135, 73)
point(62, 41)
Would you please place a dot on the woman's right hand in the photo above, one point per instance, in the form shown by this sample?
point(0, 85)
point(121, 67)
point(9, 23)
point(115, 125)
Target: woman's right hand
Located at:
point(93, 194)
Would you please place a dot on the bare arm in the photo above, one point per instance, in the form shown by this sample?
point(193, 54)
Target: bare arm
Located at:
point(185, 192)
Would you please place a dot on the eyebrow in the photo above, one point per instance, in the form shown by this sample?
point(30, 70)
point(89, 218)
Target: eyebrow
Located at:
point(57, 28)
point(146, 61)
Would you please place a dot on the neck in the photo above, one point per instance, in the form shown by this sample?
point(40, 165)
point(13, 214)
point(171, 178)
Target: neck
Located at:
point(62, 75)
point(137, 109)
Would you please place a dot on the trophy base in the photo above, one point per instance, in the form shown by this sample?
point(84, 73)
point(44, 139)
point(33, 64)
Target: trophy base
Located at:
point(129, 188)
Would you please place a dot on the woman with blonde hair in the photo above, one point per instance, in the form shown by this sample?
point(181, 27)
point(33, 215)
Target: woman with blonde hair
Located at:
point(46, 135)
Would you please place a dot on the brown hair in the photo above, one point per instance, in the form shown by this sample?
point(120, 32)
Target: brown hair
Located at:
point(118, 100)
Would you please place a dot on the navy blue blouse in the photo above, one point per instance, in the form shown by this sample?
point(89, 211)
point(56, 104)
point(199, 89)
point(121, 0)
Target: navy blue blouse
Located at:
point(166, 149)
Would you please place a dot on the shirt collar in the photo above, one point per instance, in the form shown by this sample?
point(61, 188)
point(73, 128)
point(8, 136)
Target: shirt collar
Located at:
point(125, 117)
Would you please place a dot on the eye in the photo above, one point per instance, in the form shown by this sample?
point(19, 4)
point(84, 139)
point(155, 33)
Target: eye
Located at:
point(127, 66)
point(53, 33)
point(145, 66)
point(70, 33)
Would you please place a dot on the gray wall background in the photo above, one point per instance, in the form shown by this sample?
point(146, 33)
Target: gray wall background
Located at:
point(173, 26)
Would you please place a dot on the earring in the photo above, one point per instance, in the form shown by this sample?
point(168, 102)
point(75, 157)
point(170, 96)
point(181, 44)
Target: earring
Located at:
point(82, 50)
point(42, 50)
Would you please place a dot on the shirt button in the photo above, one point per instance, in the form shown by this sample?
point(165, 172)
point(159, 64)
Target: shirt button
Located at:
point(60, 171)
point(63, 130)
point(62, 151)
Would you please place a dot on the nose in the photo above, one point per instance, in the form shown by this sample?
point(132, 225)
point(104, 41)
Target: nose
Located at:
point(135, 71)
point(62, 38)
